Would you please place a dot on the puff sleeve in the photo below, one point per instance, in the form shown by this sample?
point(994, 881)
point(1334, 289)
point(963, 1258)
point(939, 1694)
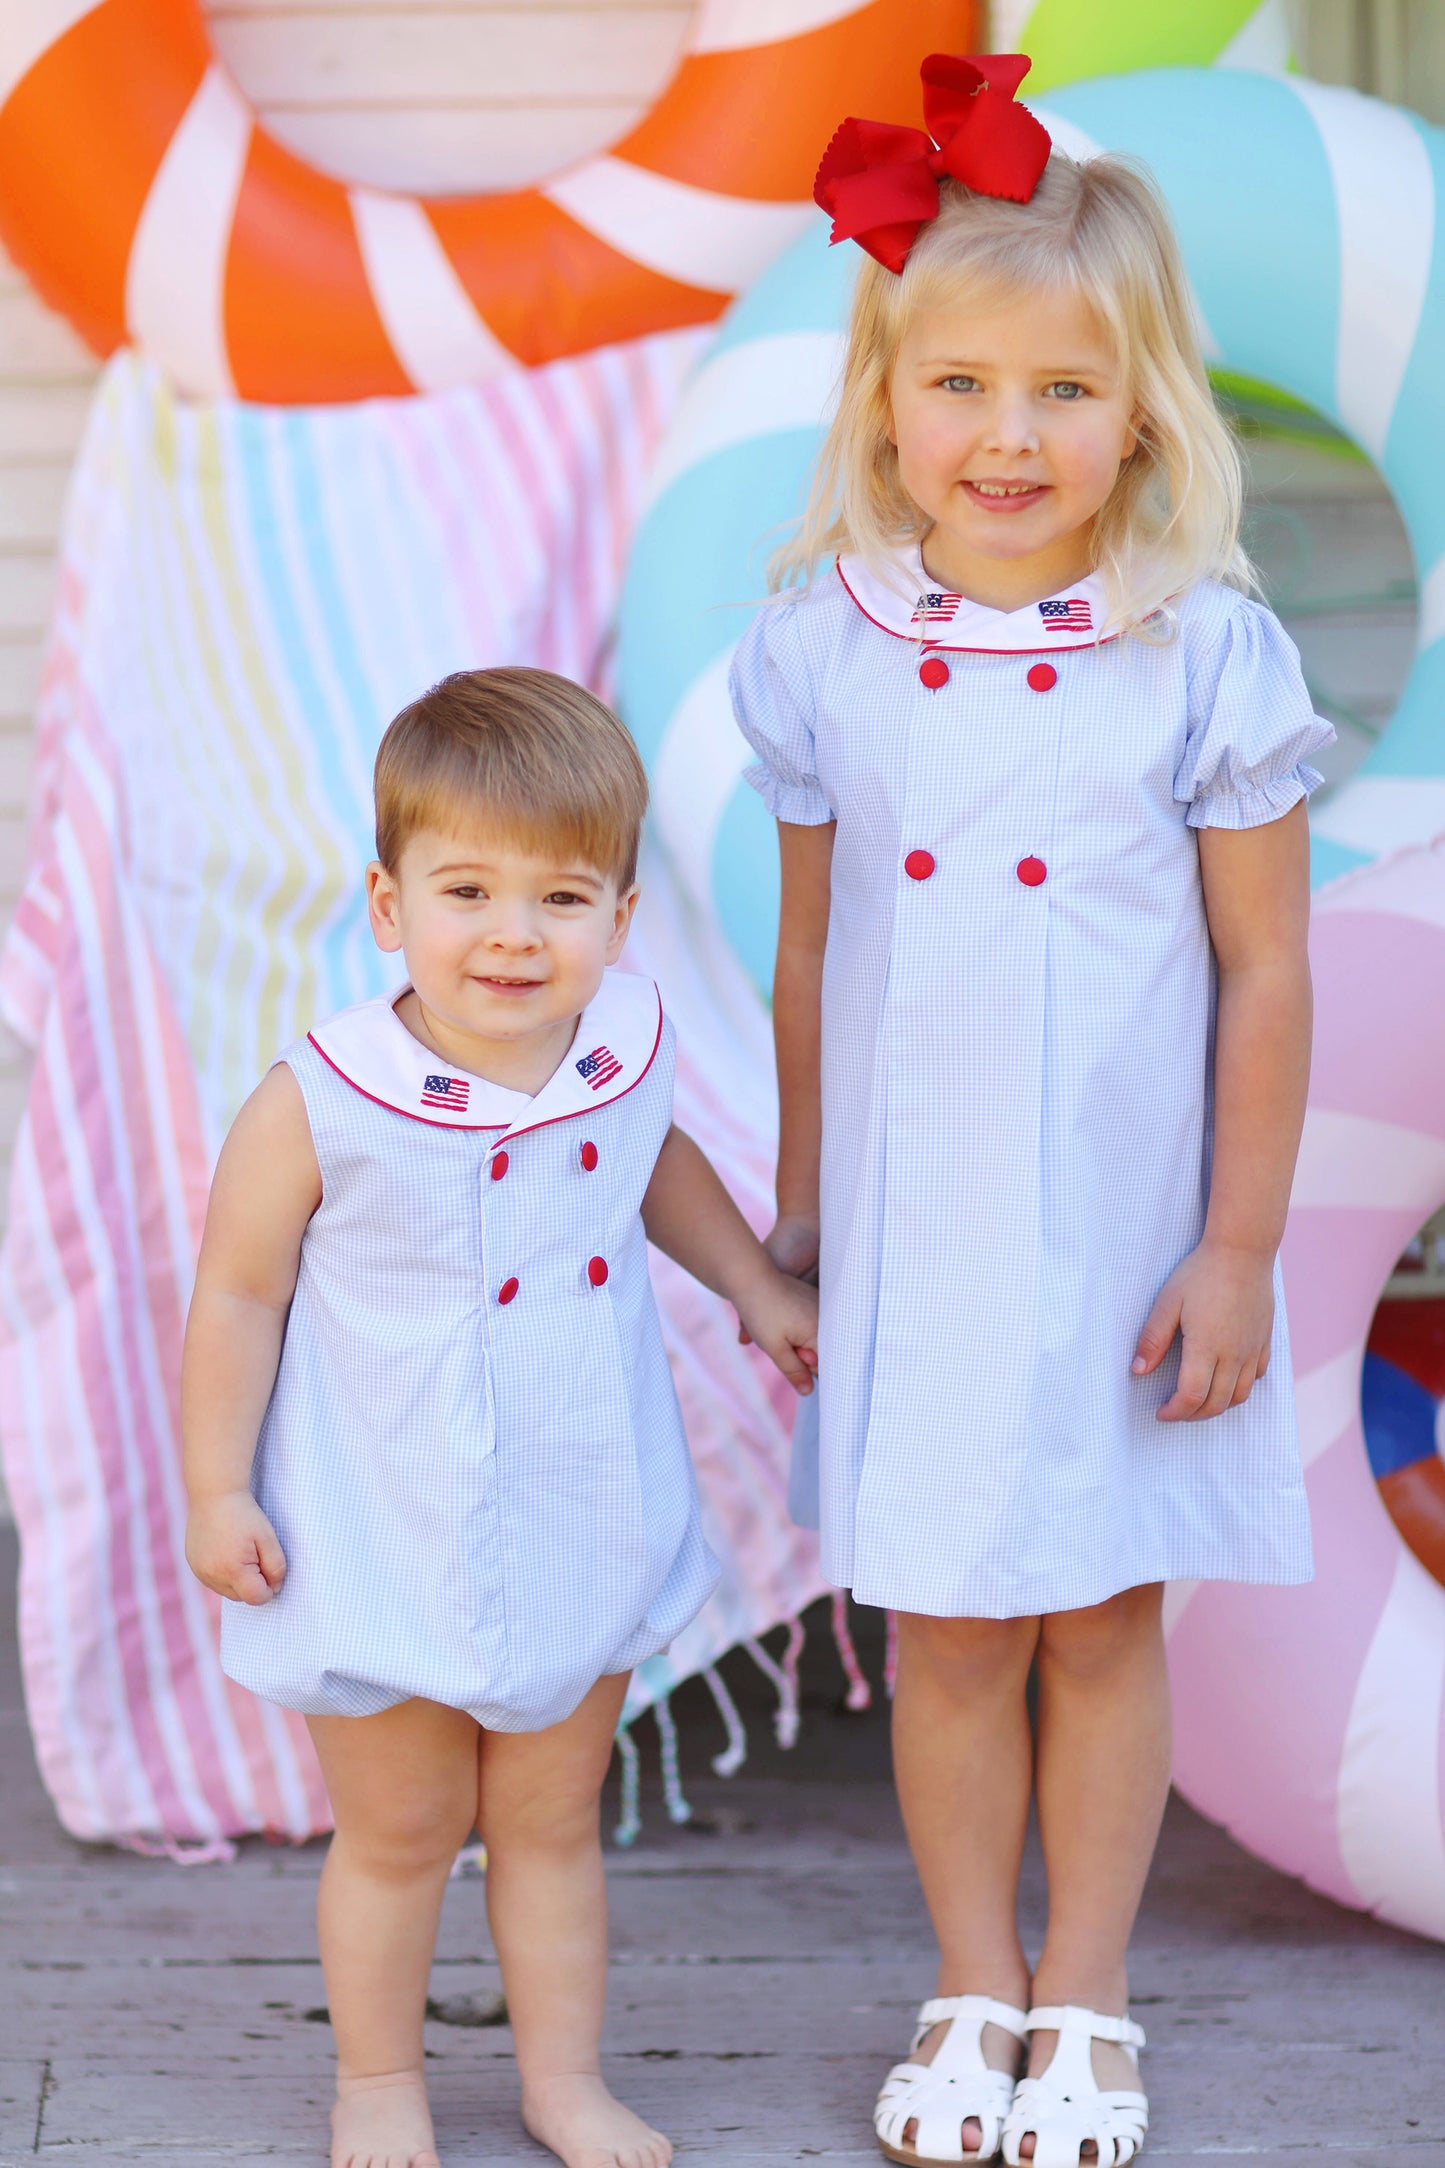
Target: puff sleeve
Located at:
point(1251, 726)
point(773, 701)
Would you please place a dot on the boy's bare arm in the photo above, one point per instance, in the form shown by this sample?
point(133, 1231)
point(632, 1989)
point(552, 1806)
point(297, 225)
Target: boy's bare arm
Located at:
point(691, 1217)
point(266, 1188)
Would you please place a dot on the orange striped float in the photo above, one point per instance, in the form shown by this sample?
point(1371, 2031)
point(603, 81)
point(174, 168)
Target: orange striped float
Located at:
point(142, 198)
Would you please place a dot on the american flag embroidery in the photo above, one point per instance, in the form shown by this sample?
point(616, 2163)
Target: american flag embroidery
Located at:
point(599, 1067)
point(1071, 616)
point(451, 1092)
point(936, 608)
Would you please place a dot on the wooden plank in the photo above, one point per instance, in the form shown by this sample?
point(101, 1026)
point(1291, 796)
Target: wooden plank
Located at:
point(27, 582)
point(21, 661)
point(32, 494)
point(38, 344)
point(40, 421)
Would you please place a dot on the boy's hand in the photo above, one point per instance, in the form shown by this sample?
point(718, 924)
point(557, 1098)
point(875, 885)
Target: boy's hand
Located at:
point(232, 1548)
point(1222, 1303)
point(783, 1320)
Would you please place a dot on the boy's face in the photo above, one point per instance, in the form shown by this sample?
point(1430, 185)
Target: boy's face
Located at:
point(499, 944)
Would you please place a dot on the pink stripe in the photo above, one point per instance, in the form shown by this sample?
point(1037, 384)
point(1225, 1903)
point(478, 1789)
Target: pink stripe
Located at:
point(1267, 1676)
point(1377, 1050)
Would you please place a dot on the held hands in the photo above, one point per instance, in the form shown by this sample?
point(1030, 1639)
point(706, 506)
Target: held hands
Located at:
point(232, 1548)
point(1221, 1302)
point(782, 1318)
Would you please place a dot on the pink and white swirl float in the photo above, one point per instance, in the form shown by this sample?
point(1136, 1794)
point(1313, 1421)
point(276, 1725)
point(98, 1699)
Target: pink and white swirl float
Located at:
point(1309, 1720)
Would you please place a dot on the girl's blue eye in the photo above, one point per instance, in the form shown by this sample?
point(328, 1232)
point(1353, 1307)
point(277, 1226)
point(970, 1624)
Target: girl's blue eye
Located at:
point(960, 383)
point(1067, 390)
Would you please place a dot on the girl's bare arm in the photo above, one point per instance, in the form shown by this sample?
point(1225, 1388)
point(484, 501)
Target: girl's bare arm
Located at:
point(266, 1188)
point(1256, 893)
point(806, 855)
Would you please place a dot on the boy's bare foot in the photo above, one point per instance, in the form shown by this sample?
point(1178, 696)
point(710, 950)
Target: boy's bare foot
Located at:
point(579, 2119)
point(382, 2122)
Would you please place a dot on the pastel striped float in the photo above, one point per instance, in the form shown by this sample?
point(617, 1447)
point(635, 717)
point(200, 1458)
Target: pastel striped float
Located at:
point(1292, 1706)
point(142, 198)
point(1309, 1720)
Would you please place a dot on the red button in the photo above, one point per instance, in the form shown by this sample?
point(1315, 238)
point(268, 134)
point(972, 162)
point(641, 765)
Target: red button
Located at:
point(500, 1164)
point(589, 1156)
point(1043, 677)
point(597, 1271)
point(507, 1290)
point(933, 671)
point(918, 865)
point(1032, 871)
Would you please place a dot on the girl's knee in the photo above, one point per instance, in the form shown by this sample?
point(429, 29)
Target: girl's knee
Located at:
point(965, 1656)
point(1105, 1637)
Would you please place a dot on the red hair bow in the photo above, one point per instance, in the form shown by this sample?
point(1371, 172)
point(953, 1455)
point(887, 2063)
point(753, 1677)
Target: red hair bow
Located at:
point(880, 182)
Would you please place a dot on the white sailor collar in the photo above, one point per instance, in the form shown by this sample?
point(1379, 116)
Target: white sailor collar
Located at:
point(913, 607)
point(617, 1038)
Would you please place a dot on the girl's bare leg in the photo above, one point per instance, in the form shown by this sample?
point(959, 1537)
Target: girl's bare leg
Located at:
point(963, 1760)
point(547, 1903)
point(403, 1789)
point(1102, 1780)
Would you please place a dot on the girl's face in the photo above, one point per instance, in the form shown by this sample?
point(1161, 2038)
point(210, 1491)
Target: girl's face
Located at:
point(504, 949)
point(1011, 421)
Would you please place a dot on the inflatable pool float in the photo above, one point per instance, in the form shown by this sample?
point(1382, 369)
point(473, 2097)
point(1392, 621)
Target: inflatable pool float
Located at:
point(145, 202)
point(1309, 1721)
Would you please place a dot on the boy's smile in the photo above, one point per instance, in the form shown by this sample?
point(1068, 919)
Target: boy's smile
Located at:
point(504, 948)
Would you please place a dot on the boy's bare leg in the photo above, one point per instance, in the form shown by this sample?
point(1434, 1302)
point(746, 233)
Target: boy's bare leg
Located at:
point(403, 1789)
point(547, 1903)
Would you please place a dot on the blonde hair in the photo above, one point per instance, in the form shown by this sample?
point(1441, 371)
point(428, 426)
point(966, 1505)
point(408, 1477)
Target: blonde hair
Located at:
point(528, 754)
point(1098, 229)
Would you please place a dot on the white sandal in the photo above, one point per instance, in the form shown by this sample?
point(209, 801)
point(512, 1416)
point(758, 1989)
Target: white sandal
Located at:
point(1065, 2108)
point(956, 2086)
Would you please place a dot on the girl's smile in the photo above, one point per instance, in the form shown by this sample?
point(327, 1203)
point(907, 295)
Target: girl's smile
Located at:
point(1011, 422)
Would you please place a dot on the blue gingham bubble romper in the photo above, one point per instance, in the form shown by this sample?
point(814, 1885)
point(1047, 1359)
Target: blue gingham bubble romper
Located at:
point(473, 1457)
point(1018, 1013)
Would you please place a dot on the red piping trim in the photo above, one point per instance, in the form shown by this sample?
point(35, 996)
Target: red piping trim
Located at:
point(578, 1111)
point(477, 1128)
point(391, 1108)
point(954, 647)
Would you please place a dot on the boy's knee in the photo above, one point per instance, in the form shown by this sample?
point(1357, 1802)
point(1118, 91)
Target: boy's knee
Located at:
point(406, 1835)
point(1105, 1637)
point(555, 1817)
point(966, 1656)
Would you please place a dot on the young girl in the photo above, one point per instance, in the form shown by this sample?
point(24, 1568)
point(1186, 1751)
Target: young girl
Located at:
point(424, 1284)
point(1042, 1016)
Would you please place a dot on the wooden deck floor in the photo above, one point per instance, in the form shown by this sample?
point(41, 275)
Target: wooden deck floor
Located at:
point(765, 1973)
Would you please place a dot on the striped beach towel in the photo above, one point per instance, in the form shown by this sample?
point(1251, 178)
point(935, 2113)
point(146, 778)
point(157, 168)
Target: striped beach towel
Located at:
point(246, 595)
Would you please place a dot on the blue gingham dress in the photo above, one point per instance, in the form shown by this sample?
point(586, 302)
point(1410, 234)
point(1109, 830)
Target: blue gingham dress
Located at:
point(473, 1457)
point(1018, 1000)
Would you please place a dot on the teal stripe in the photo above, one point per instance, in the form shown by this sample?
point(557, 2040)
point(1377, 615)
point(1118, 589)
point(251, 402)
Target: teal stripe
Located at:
point(1241, 164)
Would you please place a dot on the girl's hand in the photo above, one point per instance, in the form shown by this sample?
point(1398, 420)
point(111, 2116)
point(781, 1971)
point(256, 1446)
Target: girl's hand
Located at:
point(1222, 1302)
point(793, 1246)
point(232, 1548)
point(783, 1320)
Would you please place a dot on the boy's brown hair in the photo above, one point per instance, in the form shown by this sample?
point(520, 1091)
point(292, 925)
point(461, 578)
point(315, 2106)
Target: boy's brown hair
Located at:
point(531, 754)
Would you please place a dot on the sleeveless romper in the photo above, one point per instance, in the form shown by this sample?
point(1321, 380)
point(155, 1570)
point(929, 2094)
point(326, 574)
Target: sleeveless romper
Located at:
point(473, 1457)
